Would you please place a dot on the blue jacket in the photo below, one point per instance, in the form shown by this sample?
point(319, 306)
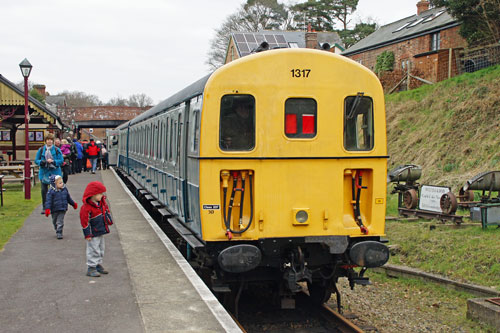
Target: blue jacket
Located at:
point(58, 199)
point(47, 171)
point(79, 149)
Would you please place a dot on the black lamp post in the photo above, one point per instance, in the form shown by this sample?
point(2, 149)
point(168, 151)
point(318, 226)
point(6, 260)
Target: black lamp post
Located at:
point(26, 70)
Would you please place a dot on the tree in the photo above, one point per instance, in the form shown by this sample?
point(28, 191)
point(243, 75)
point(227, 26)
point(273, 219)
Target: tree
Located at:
point(480, 19)
point(263, 15)
point(80, 99)
point(140, 100)
point(117, 101)
point(254, 15)
point(35, 94)
point(360, 31)
point(324, 14)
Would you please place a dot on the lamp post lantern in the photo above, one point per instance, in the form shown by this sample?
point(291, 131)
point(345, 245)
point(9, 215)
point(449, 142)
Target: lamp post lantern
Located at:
point(26, 70)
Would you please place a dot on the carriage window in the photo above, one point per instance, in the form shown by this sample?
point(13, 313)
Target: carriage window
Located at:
point(171, 137)
point(195, 135)
point(237, 122)
point(300, 118)
point(358, 123)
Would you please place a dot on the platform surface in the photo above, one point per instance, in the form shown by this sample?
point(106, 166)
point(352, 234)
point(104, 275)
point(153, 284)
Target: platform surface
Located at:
point(43, 286)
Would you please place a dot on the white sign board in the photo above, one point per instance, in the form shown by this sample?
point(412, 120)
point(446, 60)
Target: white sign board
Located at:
point(430, 197)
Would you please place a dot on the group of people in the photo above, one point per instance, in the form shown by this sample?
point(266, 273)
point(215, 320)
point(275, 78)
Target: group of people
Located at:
point(95, 216)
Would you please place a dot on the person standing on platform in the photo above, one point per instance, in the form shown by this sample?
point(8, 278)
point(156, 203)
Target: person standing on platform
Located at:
point(50, 159)
point(93, 154)
point(72, 156)
point(66, 167)
point(57, 202)
point(95, 218)
point(79, 156)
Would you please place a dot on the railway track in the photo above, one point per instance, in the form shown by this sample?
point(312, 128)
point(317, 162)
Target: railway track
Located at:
point(258, 314)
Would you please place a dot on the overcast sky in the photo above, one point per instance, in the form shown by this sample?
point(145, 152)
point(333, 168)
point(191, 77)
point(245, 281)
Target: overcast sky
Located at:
point(113, 48)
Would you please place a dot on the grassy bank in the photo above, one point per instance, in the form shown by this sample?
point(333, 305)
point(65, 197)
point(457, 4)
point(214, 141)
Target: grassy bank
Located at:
point(451, 130)
point(16, 209)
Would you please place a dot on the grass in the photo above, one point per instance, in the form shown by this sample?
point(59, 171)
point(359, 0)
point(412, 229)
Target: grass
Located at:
point(16, 209)
point(468, 254)
point(432, 299)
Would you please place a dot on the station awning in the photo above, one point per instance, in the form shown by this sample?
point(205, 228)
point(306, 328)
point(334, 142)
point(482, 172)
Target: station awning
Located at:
point(12, 107)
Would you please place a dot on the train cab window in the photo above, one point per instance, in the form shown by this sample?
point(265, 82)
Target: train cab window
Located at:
point(237, 123)
point(358, 123)
point(300, 117)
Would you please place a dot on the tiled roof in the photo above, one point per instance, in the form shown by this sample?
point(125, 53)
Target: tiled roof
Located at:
point(429, 21)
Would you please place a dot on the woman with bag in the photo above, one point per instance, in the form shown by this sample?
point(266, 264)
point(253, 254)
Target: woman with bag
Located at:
point(50, 159)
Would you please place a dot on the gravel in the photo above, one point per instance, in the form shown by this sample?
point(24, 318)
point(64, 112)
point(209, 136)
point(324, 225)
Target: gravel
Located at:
point(396, 307)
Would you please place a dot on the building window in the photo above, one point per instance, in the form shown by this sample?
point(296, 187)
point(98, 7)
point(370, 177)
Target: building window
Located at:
point(435, 41)
point(293, 45)
point(4, 135)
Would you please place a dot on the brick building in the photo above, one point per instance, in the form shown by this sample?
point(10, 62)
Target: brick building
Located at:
point(245, 43)
point(425, 43)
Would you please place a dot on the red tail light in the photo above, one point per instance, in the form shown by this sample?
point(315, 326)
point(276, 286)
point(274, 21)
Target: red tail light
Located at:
point(291, 124)
point(308, 124)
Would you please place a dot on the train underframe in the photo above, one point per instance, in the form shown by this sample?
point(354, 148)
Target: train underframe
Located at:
point(228, 267)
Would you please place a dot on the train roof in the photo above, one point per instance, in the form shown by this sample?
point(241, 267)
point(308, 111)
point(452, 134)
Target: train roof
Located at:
point(185, 94)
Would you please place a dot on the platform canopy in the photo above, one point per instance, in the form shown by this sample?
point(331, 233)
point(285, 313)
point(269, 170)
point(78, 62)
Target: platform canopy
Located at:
point(12, 108)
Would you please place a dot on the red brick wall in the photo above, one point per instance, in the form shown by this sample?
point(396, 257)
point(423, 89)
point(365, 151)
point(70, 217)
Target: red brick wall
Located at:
point(433, 67)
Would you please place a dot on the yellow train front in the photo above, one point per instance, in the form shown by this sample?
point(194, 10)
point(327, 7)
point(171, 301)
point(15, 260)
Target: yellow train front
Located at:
point(292, 171)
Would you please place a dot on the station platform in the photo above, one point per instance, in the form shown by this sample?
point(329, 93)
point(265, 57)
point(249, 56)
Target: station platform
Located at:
point(149, 288)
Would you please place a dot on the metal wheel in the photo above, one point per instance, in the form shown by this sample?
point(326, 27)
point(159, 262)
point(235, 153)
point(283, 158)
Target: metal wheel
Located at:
point(448, 203)
point(466, 196)
point(410, 199)
point(319, 293)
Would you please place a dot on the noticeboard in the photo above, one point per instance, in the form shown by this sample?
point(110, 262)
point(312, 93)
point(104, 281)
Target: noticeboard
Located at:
point(430, 197)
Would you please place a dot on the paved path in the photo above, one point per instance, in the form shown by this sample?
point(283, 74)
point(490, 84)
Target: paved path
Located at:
point(43, 287)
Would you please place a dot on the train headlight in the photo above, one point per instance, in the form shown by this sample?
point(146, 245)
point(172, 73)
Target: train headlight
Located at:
point(301, 216)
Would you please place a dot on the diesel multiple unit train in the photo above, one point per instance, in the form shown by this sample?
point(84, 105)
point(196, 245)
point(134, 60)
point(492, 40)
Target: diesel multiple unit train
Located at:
point(273, 169)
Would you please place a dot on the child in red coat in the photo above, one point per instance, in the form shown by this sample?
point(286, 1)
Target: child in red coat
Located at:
point(95, 218)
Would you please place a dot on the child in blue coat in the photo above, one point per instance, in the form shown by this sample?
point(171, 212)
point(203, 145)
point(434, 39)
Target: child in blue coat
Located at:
point(57, 202)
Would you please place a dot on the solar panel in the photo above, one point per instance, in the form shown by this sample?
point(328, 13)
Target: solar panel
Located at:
point(243, 47)
point(239, 38)
point(252, 46)
point(259, 38)
point(270, 39)
point(280, 39)
point(250, 38)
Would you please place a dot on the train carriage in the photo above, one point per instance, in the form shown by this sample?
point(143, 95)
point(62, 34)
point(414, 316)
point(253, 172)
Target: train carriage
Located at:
point(275, 165)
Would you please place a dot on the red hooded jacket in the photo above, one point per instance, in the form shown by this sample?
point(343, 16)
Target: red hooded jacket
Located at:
point(95, 218)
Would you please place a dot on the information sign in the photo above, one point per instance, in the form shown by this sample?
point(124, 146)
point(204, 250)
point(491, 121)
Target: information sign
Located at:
point(430, 197)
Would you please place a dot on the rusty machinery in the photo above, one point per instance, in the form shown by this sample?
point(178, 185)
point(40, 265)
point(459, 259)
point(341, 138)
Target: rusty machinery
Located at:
point(406, 186)
point(487, 209)
point(405, 178)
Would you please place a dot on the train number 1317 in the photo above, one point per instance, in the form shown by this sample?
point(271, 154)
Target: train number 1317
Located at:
point(300, 72)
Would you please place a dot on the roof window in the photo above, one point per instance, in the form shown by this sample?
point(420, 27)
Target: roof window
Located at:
point(403, 26)
point(415, 23)
point(432, 17)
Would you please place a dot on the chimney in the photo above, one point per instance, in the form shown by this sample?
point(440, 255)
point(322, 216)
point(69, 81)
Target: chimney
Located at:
point(422, 6)
point(40, 88)
point(311, 38)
